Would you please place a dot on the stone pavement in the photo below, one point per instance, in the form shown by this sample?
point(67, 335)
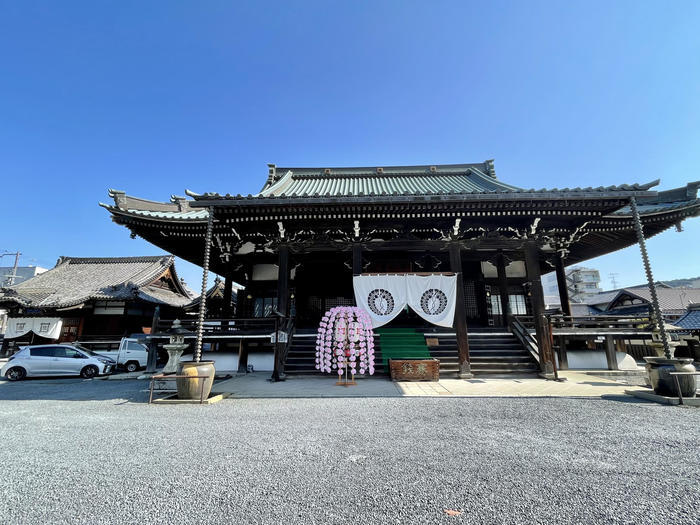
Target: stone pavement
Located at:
point(577, 384)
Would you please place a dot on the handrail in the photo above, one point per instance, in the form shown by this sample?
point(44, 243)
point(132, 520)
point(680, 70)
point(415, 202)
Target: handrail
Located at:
point(600, 321)
point(289, 329)
point(522, 333)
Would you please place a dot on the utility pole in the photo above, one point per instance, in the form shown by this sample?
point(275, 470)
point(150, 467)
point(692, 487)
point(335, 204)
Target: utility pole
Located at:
point(11, 278)
point(613, 279)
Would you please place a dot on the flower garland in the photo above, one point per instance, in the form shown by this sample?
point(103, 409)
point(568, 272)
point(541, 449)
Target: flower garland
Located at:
point(345, 339)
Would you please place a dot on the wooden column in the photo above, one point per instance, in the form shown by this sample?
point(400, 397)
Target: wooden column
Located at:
point(561, 284)
point(503, 288)
point(563, 357)
point(356, 259)
point(152, 358)
point(610, 355)
point(532, 267)
point(282, 307)
point(460, 322)
point(242, 356)
point(228, 294)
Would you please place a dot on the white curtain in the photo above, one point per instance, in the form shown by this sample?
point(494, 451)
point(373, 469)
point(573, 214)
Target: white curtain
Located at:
point(381, 296)
point(433, 297)
point(49, 327)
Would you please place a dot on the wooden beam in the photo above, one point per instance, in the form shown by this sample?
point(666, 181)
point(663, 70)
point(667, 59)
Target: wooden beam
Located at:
point(460, 314)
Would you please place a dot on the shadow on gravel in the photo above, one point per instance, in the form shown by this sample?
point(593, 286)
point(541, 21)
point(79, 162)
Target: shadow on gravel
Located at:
point(75, 389)
point(625, 399)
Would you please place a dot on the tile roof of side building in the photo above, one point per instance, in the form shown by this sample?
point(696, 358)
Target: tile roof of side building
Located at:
point(691, 320)
point(669, 298)
point(75, 280)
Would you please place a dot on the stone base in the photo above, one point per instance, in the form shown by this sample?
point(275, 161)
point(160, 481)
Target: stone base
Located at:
point(174, 400)
point(649, 395)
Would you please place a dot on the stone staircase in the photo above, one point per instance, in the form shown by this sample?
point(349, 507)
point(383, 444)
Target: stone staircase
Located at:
point(491, 350)
point(301, 358)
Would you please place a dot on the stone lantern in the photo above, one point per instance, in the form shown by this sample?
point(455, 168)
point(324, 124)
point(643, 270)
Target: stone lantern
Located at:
point(176, 346)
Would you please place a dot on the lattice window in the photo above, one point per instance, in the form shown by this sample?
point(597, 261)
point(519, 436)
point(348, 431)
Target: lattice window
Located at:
point(470, 303)
point(332, 302)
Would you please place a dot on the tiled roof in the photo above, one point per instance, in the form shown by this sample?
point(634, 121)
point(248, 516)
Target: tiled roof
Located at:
point(75, 280)
point(670, 299)
point(602, 298)
point(392, 181)
point(691, 320)
point(377, 184)
point(665, 201)
point(396, 180)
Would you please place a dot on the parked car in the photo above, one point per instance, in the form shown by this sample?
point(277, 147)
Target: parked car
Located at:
point(131, 354)
point(56, 360)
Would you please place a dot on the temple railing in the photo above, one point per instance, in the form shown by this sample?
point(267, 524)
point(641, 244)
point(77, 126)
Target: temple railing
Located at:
point(258, 327)
point(600, 324)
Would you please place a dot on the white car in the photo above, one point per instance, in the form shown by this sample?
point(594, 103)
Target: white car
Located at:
point(56, 360)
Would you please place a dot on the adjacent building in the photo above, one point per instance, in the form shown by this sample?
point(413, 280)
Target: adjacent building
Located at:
point(581, 283)
point(94, 297)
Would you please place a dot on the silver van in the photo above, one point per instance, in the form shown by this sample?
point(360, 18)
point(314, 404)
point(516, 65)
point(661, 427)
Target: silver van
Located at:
point(56, 360)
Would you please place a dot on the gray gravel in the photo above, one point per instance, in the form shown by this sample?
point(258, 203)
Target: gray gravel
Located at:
point(113, 459)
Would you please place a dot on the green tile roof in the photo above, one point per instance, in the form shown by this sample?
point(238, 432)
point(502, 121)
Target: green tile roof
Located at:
point(398, 180)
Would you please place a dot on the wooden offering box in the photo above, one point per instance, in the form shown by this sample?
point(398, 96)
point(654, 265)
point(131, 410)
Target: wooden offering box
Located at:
point(414, 369)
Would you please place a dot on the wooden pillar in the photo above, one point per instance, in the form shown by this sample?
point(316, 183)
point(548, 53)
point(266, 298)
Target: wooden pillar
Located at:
point(563, 358)
point(610, 355)
point(561, 284)
point(503, 288)
point(242, 356)
point(356, 259)
point(460, 322)
point(228, 295)
point(152, 358)
point(282, 307)
point(532, 267)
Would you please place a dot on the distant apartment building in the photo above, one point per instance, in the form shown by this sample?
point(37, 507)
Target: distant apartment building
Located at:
point(9, 276)
point(581, 282)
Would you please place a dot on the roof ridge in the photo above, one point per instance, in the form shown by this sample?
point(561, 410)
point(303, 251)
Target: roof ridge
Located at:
point(114, 260)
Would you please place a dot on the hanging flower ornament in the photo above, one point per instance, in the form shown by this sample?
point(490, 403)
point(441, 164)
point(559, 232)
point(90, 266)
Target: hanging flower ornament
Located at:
point(345, 339)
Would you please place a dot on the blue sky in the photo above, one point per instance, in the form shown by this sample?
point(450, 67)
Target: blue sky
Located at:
point(155, 97)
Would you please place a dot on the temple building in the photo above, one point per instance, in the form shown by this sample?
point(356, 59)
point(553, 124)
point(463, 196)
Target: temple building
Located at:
point(86, 298)
point(295, 246)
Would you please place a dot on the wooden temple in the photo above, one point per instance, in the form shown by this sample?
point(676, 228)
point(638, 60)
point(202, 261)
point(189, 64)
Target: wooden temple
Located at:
point(296, 244)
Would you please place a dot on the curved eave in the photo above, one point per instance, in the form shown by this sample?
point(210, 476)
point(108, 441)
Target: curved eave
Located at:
point(525, 195)
point(150, 216)
point(614, 232)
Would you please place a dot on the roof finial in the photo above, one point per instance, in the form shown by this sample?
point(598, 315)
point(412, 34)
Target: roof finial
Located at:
point(490, 170)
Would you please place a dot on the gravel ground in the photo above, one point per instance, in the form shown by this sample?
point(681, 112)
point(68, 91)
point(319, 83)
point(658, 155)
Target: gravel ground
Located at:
point(93, 452)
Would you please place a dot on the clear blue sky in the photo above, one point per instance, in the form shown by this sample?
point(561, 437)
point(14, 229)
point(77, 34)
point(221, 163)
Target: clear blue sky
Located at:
point(155, 97)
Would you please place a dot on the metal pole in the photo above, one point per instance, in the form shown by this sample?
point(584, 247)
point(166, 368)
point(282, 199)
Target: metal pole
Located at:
point(658, 320)
point(197, 357)
point(14, 269)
